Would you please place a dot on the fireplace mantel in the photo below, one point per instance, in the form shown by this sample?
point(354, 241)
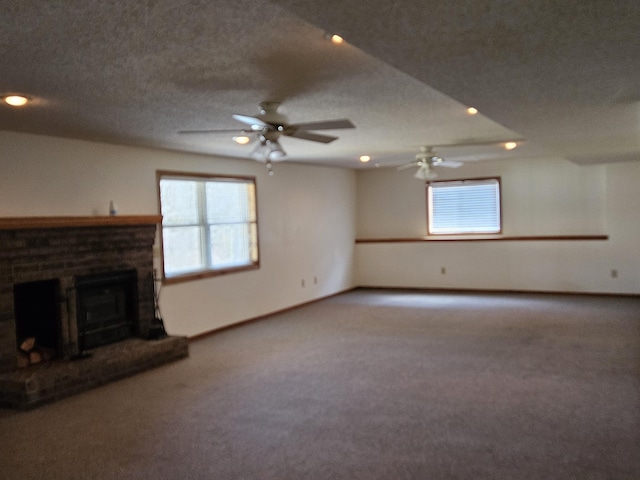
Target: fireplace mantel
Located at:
point(22, 223)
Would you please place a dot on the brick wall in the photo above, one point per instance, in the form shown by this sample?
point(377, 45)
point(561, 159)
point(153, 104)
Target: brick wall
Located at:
point(34, 254)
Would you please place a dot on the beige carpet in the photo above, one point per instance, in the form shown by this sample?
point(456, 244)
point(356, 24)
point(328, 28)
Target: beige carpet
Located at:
point(372, 384)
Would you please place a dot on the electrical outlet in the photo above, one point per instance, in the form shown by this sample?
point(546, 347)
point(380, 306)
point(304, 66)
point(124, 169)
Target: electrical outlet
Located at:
point(315, 280)
point(443, 270)
point(614, 273)
point(302, 283)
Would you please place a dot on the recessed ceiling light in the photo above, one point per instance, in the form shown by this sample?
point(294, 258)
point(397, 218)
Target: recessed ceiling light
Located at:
point(337, 39)
point(472, 110)
point(16, 100)
point(241, 139)
point(365, 158)
point(510, 145)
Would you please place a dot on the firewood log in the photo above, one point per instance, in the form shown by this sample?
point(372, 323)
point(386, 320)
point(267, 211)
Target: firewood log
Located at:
point(27, 345)
point(35, 357)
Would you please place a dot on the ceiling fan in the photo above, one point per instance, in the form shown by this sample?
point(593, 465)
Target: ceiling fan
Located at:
point(427, 159)
point(269, 125)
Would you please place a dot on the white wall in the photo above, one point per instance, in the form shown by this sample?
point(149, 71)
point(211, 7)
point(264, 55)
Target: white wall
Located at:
point(306, 219)
point(544, 197)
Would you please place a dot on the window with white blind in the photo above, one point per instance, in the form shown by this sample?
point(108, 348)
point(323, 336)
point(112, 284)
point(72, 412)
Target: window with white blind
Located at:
point(209, 224)
point(464, 207)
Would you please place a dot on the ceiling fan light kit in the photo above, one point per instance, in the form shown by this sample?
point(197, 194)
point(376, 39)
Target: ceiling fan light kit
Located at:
point(268, 150)
point(425, 173)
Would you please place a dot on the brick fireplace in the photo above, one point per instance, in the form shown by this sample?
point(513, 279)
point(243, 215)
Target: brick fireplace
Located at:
point(77, 284)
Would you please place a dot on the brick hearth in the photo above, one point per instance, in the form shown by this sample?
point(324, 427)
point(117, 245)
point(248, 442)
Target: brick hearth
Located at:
point(29, 387)
point(63, 249)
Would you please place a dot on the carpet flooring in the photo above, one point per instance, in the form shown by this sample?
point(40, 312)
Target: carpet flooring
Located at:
point(370, 384)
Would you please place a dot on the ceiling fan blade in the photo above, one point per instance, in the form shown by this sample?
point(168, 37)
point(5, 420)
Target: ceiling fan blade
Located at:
point(314, 137)
point(450, 164)
point(410, 165)
point(255, 122)
point(326, 125)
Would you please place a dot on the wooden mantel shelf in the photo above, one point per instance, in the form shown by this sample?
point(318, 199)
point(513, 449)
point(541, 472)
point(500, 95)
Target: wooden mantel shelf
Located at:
point(21, 223)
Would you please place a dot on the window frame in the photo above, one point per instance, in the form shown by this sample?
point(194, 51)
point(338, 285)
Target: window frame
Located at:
point(428, 184)
point(207, 271)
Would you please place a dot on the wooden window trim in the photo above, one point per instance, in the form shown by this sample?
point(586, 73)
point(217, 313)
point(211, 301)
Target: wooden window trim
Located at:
point(208, 273)
point(476, 179)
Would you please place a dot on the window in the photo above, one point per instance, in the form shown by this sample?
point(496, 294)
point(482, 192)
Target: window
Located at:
point(464, 206)
point(209, 224)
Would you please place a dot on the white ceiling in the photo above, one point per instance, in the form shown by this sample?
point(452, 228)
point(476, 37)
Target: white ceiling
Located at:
point(563, 75)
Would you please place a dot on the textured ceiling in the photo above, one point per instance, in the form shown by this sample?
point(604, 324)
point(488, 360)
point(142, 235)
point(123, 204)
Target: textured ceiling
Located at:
point(563, 75)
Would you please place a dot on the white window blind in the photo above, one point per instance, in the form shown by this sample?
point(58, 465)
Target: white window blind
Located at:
point(208, 224)
point(465, 206)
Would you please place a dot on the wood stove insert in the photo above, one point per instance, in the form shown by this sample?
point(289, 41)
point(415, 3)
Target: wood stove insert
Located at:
point(106, 308)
